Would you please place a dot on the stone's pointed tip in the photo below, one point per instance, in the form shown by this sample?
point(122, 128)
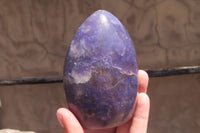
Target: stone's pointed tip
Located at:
point(104, 17)
point(100, 12)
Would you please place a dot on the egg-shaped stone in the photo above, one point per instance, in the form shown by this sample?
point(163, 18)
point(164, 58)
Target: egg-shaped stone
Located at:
point(100, 72)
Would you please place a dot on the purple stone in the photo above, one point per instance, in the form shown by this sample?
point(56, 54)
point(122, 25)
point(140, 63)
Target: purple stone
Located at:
point(100, 73)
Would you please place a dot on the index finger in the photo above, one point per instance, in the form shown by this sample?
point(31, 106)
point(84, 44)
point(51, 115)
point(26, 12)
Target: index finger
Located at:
point(143, 80)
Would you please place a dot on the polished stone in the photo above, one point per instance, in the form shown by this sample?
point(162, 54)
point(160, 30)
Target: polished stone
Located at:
point(100, 72)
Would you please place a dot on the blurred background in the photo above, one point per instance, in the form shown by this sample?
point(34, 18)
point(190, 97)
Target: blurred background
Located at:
point(35, 35)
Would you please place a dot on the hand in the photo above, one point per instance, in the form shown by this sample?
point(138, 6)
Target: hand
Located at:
point(138, 124)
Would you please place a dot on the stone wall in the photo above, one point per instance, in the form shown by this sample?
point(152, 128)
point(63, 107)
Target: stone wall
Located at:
point(35, 35)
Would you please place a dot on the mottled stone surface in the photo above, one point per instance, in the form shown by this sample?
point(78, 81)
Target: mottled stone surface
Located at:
point(100, 72)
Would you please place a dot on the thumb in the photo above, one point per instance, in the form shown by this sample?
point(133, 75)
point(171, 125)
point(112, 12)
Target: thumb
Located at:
point(68, 121)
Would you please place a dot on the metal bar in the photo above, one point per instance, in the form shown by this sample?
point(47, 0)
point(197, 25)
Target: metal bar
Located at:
point(56, 79)
point(31, 80)
point(173, 71)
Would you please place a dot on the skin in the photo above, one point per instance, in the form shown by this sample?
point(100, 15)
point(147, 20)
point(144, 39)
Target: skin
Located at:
point(138, 124)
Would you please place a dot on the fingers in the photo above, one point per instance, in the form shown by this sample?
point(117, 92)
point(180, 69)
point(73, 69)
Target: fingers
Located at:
point(141, 115)
point(68, 121)
point(143, 80)
point(139, 122)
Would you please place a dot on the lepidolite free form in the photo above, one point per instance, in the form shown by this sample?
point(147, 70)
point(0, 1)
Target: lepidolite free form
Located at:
point(100, 73)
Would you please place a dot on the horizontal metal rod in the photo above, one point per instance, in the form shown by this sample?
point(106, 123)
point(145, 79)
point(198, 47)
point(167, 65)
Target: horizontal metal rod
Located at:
point(31, 80)
point(173, 71)
point(56, 79)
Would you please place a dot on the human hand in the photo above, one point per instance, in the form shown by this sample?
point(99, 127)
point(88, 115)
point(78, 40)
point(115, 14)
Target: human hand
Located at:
point(138, 124)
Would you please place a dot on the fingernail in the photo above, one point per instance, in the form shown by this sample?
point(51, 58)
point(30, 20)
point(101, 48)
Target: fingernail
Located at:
point(60, 120)
point(144, 98)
